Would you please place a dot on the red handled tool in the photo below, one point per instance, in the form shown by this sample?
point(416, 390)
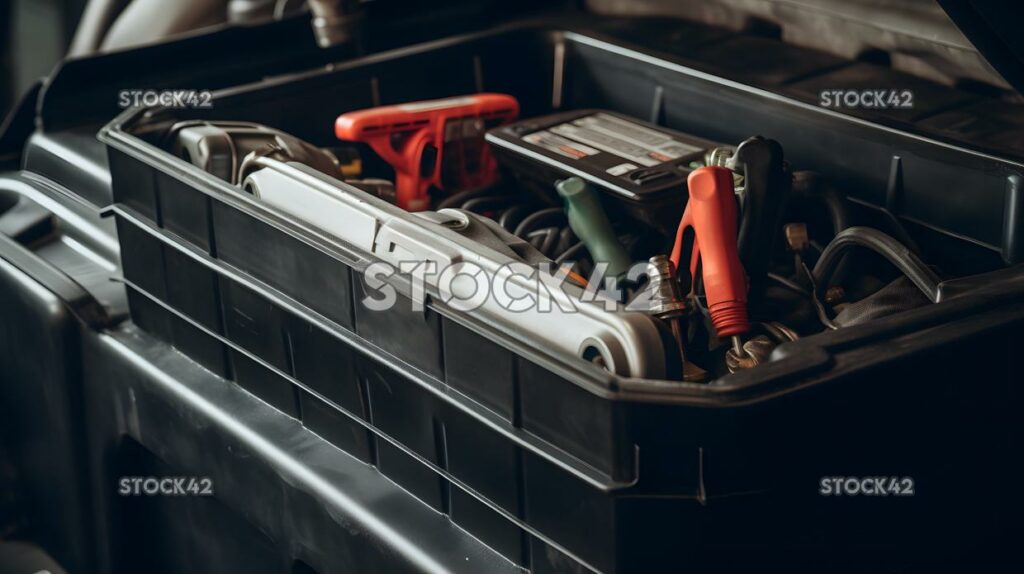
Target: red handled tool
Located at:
point(416, 138)
point(711, 212)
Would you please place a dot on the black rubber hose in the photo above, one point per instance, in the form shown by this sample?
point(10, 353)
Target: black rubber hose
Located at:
point(885, 245)
point(766, 183)
point(810, 186)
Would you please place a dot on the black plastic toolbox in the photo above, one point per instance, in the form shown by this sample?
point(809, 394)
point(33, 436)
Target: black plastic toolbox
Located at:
point(552, 460)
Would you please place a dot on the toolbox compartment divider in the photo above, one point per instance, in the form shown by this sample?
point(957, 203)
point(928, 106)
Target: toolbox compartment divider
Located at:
point(581, 470)
point(174, 314)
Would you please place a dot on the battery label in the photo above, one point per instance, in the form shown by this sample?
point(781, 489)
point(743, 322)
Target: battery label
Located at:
point(559, 145)
point(621, 169)
point(625, 139)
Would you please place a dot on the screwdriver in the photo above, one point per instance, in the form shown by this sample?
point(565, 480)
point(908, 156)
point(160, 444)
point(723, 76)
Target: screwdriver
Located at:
point(590, 223)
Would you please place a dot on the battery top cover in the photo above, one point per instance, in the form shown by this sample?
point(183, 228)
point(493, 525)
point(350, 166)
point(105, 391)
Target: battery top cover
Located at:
point(634, 159)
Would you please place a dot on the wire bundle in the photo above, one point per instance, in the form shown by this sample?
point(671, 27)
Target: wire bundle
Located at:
point(546, 227)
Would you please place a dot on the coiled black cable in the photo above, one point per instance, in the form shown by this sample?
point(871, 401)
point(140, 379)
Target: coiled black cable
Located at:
point(489, 203)
point(458, 200)
point(545, 227)
point(512, 216)
point(544, 216)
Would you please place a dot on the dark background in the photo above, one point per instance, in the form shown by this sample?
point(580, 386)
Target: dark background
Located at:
point(34, 35)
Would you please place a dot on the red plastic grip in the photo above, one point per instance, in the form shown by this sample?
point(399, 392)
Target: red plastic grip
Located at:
point(422, 125)
point(711, 212)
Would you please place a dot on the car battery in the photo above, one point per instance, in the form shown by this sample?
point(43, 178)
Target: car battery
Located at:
point(641, 168)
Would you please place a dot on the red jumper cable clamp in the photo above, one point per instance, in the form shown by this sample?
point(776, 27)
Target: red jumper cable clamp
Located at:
point(711, 213)
point(435, 143)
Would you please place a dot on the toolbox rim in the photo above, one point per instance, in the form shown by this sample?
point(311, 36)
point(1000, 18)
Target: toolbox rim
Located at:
point(798, 360)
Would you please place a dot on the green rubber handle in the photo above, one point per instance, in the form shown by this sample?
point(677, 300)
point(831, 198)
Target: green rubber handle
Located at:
point(590, 223)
